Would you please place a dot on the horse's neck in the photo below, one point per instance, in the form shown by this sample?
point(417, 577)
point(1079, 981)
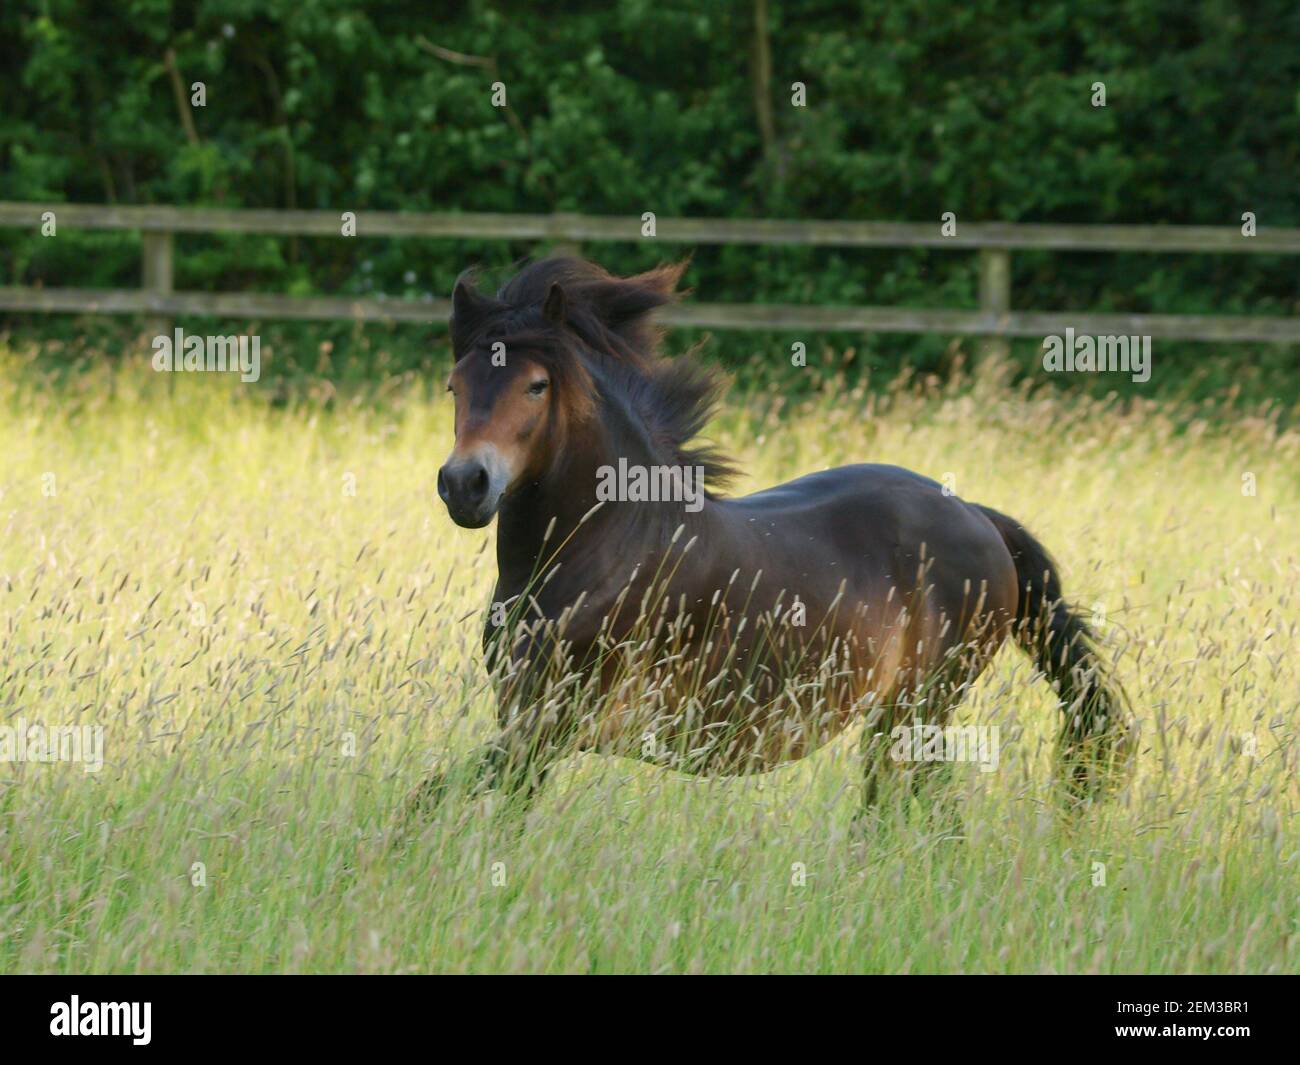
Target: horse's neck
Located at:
point(533, 524)
point(525, 551)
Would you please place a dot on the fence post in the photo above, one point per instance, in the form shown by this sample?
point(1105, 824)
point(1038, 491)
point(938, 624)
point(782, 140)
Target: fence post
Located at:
point(158, 275)
point(995, 295)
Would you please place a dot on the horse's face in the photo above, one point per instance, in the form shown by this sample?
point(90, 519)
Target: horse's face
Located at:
point(502, 419)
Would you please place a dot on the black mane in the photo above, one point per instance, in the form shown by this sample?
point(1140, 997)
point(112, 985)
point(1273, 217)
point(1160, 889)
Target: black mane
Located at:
point(555, 301)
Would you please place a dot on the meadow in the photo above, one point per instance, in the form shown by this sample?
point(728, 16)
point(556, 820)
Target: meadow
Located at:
point(268, 612)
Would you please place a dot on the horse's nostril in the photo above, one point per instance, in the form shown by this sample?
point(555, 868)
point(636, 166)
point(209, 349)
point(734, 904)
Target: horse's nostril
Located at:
point(464, 484)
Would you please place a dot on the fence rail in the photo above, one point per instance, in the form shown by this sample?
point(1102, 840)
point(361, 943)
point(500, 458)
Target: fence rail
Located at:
point(993, 241)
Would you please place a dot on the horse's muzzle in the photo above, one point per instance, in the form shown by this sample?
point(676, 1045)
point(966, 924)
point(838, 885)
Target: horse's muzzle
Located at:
point(472, 489)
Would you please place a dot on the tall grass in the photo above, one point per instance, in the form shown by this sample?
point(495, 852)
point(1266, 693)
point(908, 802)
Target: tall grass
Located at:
point(277, 627)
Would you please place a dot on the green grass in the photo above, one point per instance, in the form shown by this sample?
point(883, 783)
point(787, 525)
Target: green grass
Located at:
point(276, 661)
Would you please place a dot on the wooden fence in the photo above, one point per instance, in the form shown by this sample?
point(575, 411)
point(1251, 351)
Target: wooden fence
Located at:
point(994, 244)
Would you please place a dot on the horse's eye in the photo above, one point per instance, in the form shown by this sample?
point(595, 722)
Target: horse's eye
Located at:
point(537, 388)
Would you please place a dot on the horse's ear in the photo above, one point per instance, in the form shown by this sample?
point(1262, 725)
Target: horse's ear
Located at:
point(625, 303)
point(556, 308)
point(468, 310)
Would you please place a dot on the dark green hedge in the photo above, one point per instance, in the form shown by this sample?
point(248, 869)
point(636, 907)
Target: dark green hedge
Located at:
point(914, 108)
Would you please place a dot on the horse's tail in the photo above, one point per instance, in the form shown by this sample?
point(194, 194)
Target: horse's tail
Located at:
point(1094, 746)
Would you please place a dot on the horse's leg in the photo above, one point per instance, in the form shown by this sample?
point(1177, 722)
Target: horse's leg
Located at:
point(475, 773)
point(875, 764)
point(533, 735)
point(932, 778)
point(931, 784)
point(515, 769)
point(933, 703)
point(933, 781)
point(879, 766)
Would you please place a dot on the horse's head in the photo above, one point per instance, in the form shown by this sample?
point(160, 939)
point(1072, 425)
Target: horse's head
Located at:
point(527, 364)
point(515, 387)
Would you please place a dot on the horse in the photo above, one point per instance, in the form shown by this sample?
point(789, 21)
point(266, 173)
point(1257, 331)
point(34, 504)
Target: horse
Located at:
point(640, 612)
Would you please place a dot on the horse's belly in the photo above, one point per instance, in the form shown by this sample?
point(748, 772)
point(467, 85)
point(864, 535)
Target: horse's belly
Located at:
point(732, 726)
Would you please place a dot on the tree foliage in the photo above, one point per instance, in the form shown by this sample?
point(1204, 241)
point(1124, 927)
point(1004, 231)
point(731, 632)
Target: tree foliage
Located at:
point(983, 108)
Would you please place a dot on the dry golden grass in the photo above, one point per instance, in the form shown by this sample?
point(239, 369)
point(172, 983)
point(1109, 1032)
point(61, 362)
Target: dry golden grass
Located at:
point(277, 627)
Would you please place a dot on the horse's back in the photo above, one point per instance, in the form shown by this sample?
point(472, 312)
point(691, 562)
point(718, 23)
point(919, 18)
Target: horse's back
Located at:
point(886, 526)
point(872, 501)
point(825, 485)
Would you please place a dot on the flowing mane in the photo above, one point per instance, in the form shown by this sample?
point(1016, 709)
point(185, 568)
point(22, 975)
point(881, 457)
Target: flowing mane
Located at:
point(609, 336)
